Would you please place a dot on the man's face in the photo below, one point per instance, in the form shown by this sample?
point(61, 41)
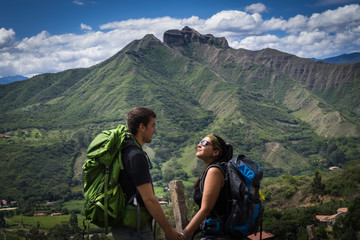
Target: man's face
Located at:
point(149, 131)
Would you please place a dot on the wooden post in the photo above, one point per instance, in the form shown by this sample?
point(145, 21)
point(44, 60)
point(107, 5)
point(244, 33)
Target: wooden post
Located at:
point(311, 232)
point(179, 205)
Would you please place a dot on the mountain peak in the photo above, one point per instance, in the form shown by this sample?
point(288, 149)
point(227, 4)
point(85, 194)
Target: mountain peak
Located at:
point(187, 35)
point(150, 39)
point(147, 40)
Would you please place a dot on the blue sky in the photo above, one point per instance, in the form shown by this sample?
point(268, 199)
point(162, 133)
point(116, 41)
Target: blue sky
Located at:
point(38, 36)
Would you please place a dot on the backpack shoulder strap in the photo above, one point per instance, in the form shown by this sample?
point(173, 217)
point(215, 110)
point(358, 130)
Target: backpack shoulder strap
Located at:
point(220, 166)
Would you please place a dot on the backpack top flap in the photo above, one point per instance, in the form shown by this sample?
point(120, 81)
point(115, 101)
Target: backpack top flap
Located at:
point(107, 144)
point(249, 169)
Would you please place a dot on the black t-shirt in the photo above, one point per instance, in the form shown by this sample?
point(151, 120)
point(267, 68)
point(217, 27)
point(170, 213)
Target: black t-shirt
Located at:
point(136, 170)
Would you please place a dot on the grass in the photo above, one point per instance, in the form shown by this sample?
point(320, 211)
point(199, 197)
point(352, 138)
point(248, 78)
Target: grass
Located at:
point(159, 191)
point(45, 222)
point(48, 222)
point(74, 205)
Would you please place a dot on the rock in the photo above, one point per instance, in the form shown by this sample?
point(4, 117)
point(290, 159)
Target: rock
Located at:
point(188, 35)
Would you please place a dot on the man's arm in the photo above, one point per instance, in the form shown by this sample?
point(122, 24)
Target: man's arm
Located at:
point(153, 206)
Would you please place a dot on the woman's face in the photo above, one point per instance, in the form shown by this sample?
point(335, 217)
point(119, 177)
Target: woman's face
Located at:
point(206, 151)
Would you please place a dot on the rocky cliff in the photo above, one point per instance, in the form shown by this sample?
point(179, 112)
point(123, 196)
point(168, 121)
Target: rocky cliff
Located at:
point(187, 35)
point(314, 75)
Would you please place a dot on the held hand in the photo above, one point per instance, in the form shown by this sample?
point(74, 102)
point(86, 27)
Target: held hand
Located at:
point(173, 235)
point(182, 235)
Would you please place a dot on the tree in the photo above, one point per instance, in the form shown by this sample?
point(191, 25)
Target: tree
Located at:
point(35, 234)
point(99, 236)
point(337, 157)
point(73, 221)
point(321, 233)
point(27, 208)
point(354, 214)
point(60, 231)
point(317, 187)
point(2, 220)
point(349, 234)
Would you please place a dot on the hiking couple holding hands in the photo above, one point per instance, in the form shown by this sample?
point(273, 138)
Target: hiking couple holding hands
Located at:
point(209, 192)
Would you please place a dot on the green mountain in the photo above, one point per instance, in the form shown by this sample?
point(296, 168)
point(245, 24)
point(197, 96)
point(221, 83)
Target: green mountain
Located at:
point(343, 58)
point(9, 79)
point(285, 112)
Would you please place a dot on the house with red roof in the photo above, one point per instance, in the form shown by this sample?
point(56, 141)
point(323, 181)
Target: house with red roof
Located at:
point(265, 235)
point(39, 214)
point(55, 214)
point(329, 220)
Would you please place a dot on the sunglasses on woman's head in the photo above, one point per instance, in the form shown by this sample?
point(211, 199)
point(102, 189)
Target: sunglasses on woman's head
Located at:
point(205, 143)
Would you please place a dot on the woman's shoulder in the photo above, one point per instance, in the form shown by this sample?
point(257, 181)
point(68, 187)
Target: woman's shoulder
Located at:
point(216, 169)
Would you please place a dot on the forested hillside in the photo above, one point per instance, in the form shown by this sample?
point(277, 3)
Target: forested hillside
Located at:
point(291, 115)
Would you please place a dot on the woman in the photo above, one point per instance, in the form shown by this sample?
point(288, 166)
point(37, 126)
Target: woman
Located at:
point(211, 197)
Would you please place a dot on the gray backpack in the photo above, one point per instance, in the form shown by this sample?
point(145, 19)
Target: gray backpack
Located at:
point(244, 207)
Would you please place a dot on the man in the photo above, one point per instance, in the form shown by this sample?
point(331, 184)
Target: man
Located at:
point(136, 180)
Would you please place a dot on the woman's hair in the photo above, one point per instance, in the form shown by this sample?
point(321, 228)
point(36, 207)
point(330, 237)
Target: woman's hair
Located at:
point(225, 152)
point(139, 115)
point(225, 149)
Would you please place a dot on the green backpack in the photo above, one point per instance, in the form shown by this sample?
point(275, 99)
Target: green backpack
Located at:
point(105, 200)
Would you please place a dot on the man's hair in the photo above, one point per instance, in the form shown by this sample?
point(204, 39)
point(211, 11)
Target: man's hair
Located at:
point(139, 115)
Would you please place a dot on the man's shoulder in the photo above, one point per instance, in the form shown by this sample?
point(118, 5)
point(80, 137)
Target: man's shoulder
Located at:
point(131, 149)
point(129, 144)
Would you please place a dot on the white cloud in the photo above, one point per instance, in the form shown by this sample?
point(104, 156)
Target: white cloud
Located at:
point(258, 42)
point(234, 21)
point(7, 37)
point(85, 27)
point(296, 24)
point(256, 8)
point(334, 20)
point(319, 35)
point(46, 53)
point(78, 2)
